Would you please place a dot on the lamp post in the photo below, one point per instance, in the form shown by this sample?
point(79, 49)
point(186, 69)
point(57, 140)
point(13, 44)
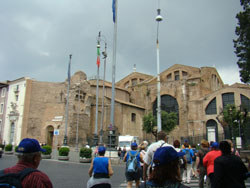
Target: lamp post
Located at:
point(158, 19)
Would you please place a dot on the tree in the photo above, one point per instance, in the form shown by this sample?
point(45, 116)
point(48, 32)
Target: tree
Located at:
point(168, 120)
point(237, 120)
point(242, 43)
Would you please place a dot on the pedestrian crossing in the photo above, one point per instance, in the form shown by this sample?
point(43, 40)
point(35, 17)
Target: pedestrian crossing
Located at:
point(193, 184)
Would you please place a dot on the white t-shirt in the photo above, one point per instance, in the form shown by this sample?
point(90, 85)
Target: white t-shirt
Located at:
point(152, 148)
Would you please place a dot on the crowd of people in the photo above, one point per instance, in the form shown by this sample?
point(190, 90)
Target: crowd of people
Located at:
point(158, 165)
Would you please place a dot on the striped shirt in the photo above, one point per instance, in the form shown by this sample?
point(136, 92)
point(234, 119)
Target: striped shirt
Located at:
point(34, 179)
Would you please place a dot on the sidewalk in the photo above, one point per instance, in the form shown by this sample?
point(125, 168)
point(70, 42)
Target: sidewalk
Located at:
point(74, 156)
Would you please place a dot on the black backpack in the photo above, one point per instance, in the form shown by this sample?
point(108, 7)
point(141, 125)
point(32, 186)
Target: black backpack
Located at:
point(14, 180)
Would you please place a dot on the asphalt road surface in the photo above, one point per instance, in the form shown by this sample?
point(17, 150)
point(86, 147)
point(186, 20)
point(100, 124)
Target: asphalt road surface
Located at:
point(73, 175)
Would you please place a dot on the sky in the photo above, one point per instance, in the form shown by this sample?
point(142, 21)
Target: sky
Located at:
point(37, 36)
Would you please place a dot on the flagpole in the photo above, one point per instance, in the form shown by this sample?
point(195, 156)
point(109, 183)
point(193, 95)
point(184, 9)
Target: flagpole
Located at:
point(103, 90)
point(97, 89)
point(65, 141)
point(113, 65)
point(158, 19)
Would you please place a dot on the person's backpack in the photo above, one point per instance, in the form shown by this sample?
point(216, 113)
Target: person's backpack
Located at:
point(131, 165)
point(202, 155)
point(188, 156)
point(14, 180)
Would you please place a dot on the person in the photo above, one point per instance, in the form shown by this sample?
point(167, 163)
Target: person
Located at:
point(100, 170)
point(142, 149)
point(133, 176)
point(201, 170)
point(119, 153)
point(29, 156)
point(229, 170)
point(193, 147)
point(189, 154)
point(233, 150)
point(165, 171)
point(162, 139)
point(182, 160)
point(208, 162)
point(123, 152)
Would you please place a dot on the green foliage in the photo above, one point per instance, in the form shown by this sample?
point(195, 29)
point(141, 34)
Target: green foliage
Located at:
point(149, 121)
point(8, 147)
point(85, 152)
point(2, 146)
point(242, 43)
point(168, 121)
point(64, 151)
point(16, 148)
point(48, 149)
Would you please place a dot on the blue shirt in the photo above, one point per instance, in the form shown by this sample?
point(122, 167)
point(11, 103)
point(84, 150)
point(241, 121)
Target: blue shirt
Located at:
point(100, 165)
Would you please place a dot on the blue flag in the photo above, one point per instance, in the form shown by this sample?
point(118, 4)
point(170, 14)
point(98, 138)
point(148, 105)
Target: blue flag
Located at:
point(113, 8)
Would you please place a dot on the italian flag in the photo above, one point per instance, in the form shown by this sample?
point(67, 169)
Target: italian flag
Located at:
point(98, 57)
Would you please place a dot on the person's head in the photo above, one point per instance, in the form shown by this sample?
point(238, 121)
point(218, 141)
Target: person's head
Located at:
point(101, 150)
point(142, 146)
point(215, 146)
point(134, 146)
point(162, 136)
point(29, 151)
point(186, 145)
point(204, 143)
point(230, 142)
point(177, 144)
point(225, 147)
point(166, 165)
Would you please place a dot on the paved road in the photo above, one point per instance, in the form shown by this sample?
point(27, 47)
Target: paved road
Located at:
point(75, 174)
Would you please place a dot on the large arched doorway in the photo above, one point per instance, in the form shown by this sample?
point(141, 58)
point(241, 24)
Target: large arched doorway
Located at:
point(212, 130)
point(49, 133)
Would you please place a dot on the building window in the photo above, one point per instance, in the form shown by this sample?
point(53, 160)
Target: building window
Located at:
point(184, 74)
point(126, 84)
point(1, 108)
point(133, 117)
point(3, 92)
point(245, 102)
point(17, 97)
point(134, 82)
point(169, 77)
point(211, 107)
point(176, 75)
point(12, 132)
point(141, 80)
point(227, 98)
point(168, 104)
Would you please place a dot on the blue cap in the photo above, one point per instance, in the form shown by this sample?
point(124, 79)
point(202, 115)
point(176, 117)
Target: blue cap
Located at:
point(164, 155)
point(134, 144)
point(215, 145)
point(101, 149)
point(29, 145)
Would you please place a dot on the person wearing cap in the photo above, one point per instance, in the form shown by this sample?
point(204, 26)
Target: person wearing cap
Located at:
point(165, 171)
point(133, 176)
point(29, 156)
point(229, 170)
point(201, 170)
point(162, 142)
point(208, 162)
point(100, 170)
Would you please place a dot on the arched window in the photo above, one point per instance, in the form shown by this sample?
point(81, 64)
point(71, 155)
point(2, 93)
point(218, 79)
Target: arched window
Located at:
point(245, 102)
point(211, 107)
point(227, 98)
point(168, 104)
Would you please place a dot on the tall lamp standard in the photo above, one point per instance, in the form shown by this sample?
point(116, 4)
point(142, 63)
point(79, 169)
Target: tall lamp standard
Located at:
point(65, 141)
point(158, 19)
